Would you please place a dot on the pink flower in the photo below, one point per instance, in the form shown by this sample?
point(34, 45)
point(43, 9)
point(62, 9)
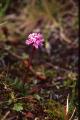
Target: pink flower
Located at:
point(35, 39)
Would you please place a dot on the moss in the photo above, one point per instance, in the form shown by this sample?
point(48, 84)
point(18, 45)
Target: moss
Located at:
point(54, 110)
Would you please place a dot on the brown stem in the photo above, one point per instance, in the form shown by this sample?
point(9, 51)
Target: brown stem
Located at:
point(65, 115)
point(31, 57)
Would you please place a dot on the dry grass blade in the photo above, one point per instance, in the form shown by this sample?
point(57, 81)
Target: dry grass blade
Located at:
point(56, 24)
point(5, 116)
point(71, 118)
point(3, 23)
point(67, 105)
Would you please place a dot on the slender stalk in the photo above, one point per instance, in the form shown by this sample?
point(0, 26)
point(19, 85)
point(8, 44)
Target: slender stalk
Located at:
point(31, 57)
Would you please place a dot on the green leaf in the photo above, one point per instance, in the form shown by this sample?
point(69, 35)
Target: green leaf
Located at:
point(18, 107)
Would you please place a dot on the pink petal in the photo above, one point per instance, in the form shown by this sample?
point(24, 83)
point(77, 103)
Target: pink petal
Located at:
point(28, 42)
point(35, 45)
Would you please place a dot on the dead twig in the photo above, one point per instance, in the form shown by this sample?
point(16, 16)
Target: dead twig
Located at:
point(5, 116)
point(13, 54)
point(33, 71)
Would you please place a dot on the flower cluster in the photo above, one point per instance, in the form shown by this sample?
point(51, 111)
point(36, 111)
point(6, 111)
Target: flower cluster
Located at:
point(35, 39)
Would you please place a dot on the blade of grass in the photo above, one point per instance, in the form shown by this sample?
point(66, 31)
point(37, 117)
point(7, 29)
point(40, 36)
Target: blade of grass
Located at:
point(3, 9)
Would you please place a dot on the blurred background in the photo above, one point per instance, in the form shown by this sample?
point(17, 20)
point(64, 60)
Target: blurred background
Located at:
point(55, 63)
